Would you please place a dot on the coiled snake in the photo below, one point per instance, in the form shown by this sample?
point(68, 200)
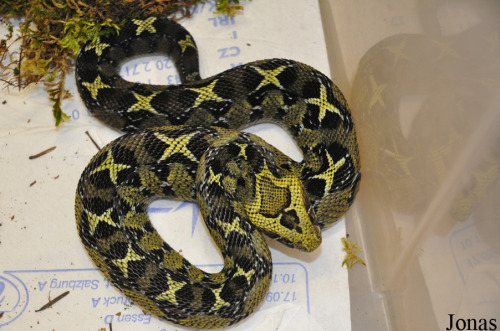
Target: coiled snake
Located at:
point(182, 143)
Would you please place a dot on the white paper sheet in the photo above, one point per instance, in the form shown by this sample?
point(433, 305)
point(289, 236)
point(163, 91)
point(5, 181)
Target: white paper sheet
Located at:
point(41, 255)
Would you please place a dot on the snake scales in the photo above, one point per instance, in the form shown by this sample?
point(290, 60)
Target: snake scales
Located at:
point(183, 144)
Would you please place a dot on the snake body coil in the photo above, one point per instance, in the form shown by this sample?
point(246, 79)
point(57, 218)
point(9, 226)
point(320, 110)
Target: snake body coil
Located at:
point(182, 143)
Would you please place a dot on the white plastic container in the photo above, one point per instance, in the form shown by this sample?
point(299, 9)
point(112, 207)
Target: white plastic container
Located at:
point(423, 79)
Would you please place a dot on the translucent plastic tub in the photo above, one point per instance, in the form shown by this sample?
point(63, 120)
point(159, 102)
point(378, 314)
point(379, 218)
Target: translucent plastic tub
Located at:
point(423, 79)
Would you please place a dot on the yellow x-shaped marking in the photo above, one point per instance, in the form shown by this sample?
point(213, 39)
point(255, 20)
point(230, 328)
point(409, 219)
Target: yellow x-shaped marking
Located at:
point(143, 103)
point(323, 104)
point(219, 302)
point(98, 46)
point(169, 295)
point(248, 275)
point(206, 93)
point(143, 25)
point(398, 52)
point(233, 226)
point(213, 177)
point(123, 263)
point(329, 174)
point(177, 145)
point(109, 164)
point(270, 76)
point(94, 219)
point(95, 86)
point(377, 93)
point(188, 42)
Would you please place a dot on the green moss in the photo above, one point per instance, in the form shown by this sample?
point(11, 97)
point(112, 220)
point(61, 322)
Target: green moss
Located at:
point(228, 7)
point(51, 33)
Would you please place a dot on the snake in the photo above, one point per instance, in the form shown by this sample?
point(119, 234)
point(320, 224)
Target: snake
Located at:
point(185, 142)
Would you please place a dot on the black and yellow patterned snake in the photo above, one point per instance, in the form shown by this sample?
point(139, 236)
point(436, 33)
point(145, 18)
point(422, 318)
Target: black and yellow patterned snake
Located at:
point(183, 143)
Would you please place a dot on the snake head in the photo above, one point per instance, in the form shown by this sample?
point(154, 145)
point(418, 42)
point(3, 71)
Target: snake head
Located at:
point(282, 211)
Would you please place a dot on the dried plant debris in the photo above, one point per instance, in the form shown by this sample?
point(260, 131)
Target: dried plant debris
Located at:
point(351, 249)
point(43, 46)
point(52, 301)
point(48, 150)
point(92, 139)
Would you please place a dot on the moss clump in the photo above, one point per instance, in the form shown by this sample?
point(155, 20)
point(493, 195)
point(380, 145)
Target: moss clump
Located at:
point(50, 33)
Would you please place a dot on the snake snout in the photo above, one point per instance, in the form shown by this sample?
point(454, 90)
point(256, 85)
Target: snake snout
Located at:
point(298, 222)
